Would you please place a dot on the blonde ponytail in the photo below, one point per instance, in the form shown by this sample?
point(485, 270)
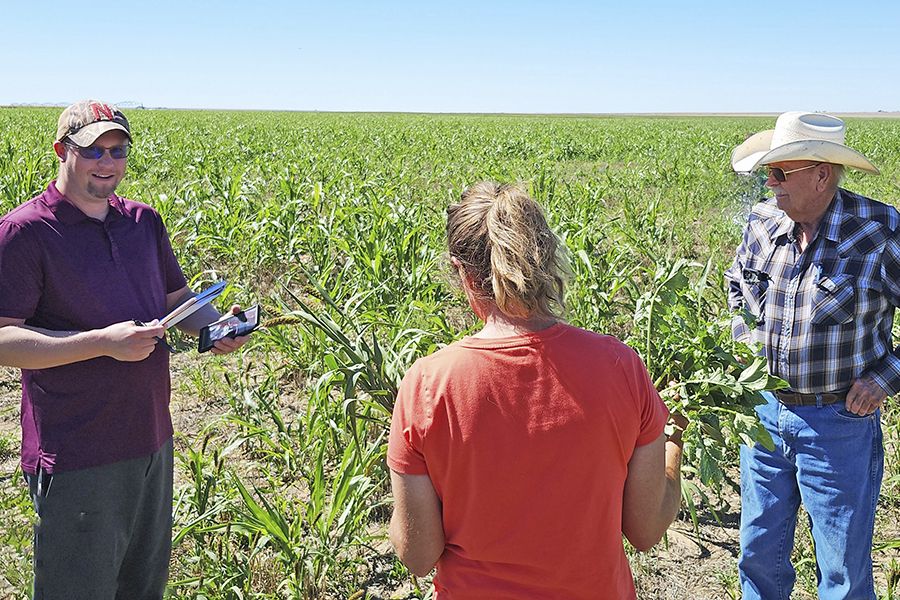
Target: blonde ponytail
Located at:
point(502, 238)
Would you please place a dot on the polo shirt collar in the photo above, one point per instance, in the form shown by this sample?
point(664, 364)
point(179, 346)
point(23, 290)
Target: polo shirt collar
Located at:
point(67, 213)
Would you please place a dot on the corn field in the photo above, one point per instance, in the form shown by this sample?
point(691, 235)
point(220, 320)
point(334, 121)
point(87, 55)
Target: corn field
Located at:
point(333, 223)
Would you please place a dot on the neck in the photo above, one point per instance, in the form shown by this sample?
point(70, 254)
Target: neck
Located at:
point(499, 325)
point(806, 233)
point(808, 226)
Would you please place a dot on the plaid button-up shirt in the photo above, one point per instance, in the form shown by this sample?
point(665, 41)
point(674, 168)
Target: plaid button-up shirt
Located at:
point(824, 315)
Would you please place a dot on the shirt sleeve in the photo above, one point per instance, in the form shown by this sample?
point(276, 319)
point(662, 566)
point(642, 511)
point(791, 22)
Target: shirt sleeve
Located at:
point(654, 414)
point(21, 273)
point(404, 453)
point(739, 329)
point(887, 372)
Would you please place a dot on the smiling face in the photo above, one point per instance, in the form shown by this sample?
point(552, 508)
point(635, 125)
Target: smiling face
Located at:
point(89, 183)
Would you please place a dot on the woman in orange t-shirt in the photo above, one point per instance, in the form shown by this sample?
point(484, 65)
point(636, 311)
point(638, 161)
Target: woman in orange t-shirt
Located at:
point(520, 455)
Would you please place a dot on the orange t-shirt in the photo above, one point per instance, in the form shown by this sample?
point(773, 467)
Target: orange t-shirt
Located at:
point(527, 442)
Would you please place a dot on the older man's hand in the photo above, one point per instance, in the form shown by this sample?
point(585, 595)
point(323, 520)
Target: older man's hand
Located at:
point(865, 397)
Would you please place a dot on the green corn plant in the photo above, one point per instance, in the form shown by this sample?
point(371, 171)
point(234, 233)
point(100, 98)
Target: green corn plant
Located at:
point(319, 542)
point(893, 579)
point(223, 569)
point(275, 523)
point(264, 432)
point(205, 493)
point(357, 358)
point(24, 173)
point(339, 505)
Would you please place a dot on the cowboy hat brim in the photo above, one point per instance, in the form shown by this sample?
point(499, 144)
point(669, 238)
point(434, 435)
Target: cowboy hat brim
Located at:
point(755, 152)
point(746, 157)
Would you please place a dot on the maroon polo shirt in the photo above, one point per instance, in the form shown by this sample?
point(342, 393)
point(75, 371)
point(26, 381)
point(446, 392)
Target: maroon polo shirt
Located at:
point(64, 271)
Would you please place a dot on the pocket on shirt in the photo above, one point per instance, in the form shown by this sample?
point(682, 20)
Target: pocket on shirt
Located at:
point(755, 299)
point(834, 301)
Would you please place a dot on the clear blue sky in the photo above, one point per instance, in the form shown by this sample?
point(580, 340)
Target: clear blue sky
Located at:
point(533, 56)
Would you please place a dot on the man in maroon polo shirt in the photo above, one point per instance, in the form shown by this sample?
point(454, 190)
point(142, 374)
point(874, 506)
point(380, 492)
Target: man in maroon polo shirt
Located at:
point(79, 266)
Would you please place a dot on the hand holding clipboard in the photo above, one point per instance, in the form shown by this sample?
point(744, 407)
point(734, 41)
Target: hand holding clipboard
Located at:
point(191, 305)
point(185, 309)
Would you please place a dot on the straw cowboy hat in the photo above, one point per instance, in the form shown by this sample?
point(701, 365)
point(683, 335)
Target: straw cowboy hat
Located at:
point(800, 136)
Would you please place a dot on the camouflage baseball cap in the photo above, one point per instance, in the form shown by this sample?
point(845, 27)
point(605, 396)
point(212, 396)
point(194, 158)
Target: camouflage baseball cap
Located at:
point(85, 121)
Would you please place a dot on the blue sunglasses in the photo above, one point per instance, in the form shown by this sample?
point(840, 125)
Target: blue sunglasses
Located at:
point(95, 152)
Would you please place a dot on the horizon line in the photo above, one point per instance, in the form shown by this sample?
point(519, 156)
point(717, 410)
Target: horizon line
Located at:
point(132, 105)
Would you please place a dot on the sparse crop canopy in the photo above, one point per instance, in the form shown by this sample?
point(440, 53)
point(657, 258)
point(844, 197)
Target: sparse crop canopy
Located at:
point(334, 223)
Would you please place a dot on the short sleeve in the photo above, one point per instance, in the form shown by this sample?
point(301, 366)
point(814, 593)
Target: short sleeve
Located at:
point(653, 411)
point(175, 279)
point(21, 273)
point(404, 453)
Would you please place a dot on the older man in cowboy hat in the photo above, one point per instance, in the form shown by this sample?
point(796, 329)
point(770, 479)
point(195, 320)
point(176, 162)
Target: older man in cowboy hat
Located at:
point(816, 279)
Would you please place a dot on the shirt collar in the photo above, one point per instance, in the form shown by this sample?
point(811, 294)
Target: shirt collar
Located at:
point(784, 226)
point(830, 227)
point(67, 213)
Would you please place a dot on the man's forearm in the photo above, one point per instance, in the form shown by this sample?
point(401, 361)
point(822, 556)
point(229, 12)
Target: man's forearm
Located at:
point(887, 372)
point(29, 347)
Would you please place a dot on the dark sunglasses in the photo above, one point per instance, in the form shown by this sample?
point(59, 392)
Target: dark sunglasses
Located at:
point(780, 175)
point(95, 152)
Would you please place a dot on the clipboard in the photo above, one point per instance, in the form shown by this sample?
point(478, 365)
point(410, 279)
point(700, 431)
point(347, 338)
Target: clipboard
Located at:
point(192, 304)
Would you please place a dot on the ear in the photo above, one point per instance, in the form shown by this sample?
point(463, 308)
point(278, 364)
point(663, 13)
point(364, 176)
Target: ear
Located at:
point(60, 150)
point(824, 177)
point(460, 269)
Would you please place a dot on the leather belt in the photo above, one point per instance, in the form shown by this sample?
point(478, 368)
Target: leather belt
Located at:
point(798, 399)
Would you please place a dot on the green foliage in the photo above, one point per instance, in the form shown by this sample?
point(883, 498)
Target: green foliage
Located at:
point(18, 518)
point(334, 223)
point(702, 372)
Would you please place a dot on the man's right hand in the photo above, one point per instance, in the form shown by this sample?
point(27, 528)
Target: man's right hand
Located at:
point(865, 396)
point(129, 342)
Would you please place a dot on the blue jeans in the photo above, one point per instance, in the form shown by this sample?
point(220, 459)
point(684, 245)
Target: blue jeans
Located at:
point(832, 461)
